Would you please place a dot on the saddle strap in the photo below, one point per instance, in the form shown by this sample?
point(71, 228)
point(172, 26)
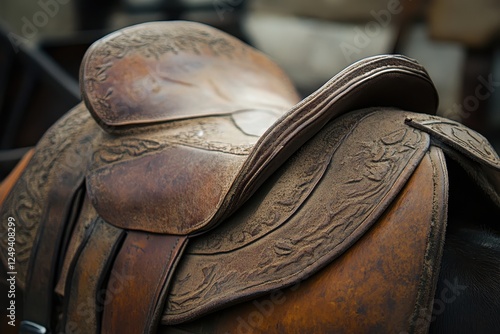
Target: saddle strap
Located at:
point(146, 263)
point(88, 278)
point(42, 276)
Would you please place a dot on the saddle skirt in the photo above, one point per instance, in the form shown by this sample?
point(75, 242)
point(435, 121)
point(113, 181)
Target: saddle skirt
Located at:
point(192, 178)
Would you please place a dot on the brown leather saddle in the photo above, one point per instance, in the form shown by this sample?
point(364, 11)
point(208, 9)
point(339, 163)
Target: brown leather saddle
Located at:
point(192, 178)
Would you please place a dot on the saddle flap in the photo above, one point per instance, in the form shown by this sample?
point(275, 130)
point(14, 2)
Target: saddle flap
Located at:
point(472, 150)
point(174, 191)
point(163, 71)
point(464, 140)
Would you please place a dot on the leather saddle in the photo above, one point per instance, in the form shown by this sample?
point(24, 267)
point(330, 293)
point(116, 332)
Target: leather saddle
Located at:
point(192, 178)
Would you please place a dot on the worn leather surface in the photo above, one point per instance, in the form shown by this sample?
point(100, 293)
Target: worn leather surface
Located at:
point(87, 283)
point(260, 205)
point(458, 137)
point(235, 161)
point(163, 71)
point(468, 147)
point(68, 143)
point(373, 287)
point(315, 208)
point(361, 160)
point(79, 236)
point(138, 307)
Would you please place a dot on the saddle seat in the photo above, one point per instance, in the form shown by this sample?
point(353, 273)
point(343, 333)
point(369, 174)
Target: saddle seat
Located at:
point(192, 178)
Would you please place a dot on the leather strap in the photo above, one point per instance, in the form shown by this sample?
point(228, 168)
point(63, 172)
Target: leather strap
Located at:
point(45, 254)
point(147, 262)
point(79, 236)
point(85, 290)
point(8, 183)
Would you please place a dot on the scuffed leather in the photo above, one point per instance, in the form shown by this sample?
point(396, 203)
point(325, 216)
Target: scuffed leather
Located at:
point(186, 134)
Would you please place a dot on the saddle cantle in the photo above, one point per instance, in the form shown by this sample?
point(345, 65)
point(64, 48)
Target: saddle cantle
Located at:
point(193, 161)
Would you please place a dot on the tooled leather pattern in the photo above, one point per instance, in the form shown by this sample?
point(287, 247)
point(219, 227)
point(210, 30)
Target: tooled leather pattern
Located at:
point(368, 156)
point(67, 143)
point(459, 137)
point(149, 41)
point(279, 238)
point(197, 133)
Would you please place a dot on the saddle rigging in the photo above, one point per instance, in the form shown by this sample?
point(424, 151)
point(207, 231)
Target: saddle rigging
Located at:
point(192, 178)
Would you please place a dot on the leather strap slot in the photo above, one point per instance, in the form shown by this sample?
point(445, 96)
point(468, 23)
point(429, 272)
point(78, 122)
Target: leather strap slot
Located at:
point(146, 282)
point(80, 232)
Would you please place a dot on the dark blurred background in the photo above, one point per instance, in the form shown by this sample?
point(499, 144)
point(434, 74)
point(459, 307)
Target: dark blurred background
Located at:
point(43, 41)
